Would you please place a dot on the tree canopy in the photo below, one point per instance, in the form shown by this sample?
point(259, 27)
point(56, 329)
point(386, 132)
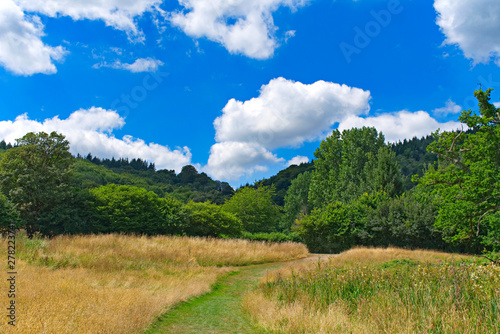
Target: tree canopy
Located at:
point(255, 208)
point(35, 176)
point(466, 182)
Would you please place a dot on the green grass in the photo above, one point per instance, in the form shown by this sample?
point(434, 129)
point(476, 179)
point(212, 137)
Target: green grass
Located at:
point(219, 311)
point(399, 295)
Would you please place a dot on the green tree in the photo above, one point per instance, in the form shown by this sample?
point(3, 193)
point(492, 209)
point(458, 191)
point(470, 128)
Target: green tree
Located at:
point(9, 217)
point(382, 173)
point(297, 200)
point(35, 176)
point(255, 208)
point(128, 209)
point(340, 165)
point(329, 229)
point(208, 219)
point(467, 180)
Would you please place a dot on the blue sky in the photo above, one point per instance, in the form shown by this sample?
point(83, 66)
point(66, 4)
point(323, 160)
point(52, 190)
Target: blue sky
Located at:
point(240, 89)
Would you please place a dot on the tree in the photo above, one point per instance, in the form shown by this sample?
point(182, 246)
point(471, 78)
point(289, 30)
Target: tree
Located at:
point(329, 229)
point(128, 209)
point(35, 176)
point(9, 217)
point(350, 163)
point(466, 182)
point(209, 220)
point(297, 200)
point(255, 208)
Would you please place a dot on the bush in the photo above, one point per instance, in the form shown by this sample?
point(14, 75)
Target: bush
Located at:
point(208, 219)
point(129, 209)
point(272, 237)
point(329, 230)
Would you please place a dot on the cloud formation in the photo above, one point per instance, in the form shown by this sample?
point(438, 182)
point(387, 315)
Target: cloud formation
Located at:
point(21, 48)
point(400, 125)
point(119, 14)
point(286, 113)
point(139, 65)
point(232, 160)
point(472, 25)
point(450, 108)
point(299, 159)
point(90, 131)
point(241, 26)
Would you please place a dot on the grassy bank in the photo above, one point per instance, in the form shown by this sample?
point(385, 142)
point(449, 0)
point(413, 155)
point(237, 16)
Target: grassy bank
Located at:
point(117, 283)
point(381, 291)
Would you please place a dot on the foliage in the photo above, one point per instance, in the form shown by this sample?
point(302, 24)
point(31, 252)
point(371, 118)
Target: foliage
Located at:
point(351, 163)
point(283, 180)
point(466, 182)
point(255, 209)
point(297, 200)
point(129, 209)
point(272, 237)
point(35, 176)
point(329, 229)
point(208, 219)
point(9, 217)
point(186, 186)
point(414, 158)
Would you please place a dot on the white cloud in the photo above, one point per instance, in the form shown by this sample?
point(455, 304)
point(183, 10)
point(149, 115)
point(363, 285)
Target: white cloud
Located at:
point(288, 113)
point(289, 34)
point(231, 160)
point(450, 108)
point(299, 159)
point(241, 26)
point(400, 125)
point(140, 65)
point(21, 48)
point(119, 14)
point(496, 104)
point(473, 25)
point(90, 131)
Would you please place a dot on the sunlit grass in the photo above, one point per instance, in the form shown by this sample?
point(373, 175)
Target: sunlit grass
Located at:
point(381, 291)
point(119, 284)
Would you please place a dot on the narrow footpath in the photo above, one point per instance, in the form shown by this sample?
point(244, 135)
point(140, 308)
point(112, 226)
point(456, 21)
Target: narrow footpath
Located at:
point(220, 310)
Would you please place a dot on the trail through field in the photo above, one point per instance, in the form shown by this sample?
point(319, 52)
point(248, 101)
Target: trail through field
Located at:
point(220, 311)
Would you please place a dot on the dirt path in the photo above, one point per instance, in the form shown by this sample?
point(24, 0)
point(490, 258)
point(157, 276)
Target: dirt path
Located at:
point(220, 310)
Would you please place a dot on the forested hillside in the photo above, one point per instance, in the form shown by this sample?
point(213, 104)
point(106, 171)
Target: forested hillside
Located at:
point(185, 186)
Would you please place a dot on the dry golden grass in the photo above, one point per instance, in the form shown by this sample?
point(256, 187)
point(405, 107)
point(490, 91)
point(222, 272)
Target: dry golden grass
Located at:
point(119, 284)
point(380, 291)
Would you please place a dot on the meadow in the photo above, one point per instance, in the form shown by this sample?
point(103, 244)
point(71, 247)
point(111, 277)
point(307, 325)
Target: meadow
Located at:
point(120, 284)
point(370, 290)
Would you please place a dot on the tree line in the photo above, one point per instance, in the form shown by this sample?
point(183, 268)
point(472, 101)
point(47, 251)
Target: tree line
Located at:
point(438, 192)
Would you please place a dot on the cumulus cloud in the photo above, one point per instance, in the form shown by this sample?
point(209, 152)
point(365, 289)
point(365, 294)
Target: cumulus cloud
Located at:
point(90, 131)
point(231, 160)
point(286, 113)
point(400, 125)
point(472, 25)
point(140, 65)
point(21, 48)
point(241, 26)
point(450, 108)
point(299, 159)
point(119, 14)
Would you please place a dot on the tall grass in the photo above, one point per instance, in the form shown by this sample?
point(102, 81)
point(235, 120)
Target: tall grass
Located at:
point(119, 284)
point(382, 291)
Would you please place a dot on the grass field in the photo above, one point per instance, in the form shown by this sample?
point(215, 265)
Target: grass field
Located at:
point(119, 284)
point(381, 291)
